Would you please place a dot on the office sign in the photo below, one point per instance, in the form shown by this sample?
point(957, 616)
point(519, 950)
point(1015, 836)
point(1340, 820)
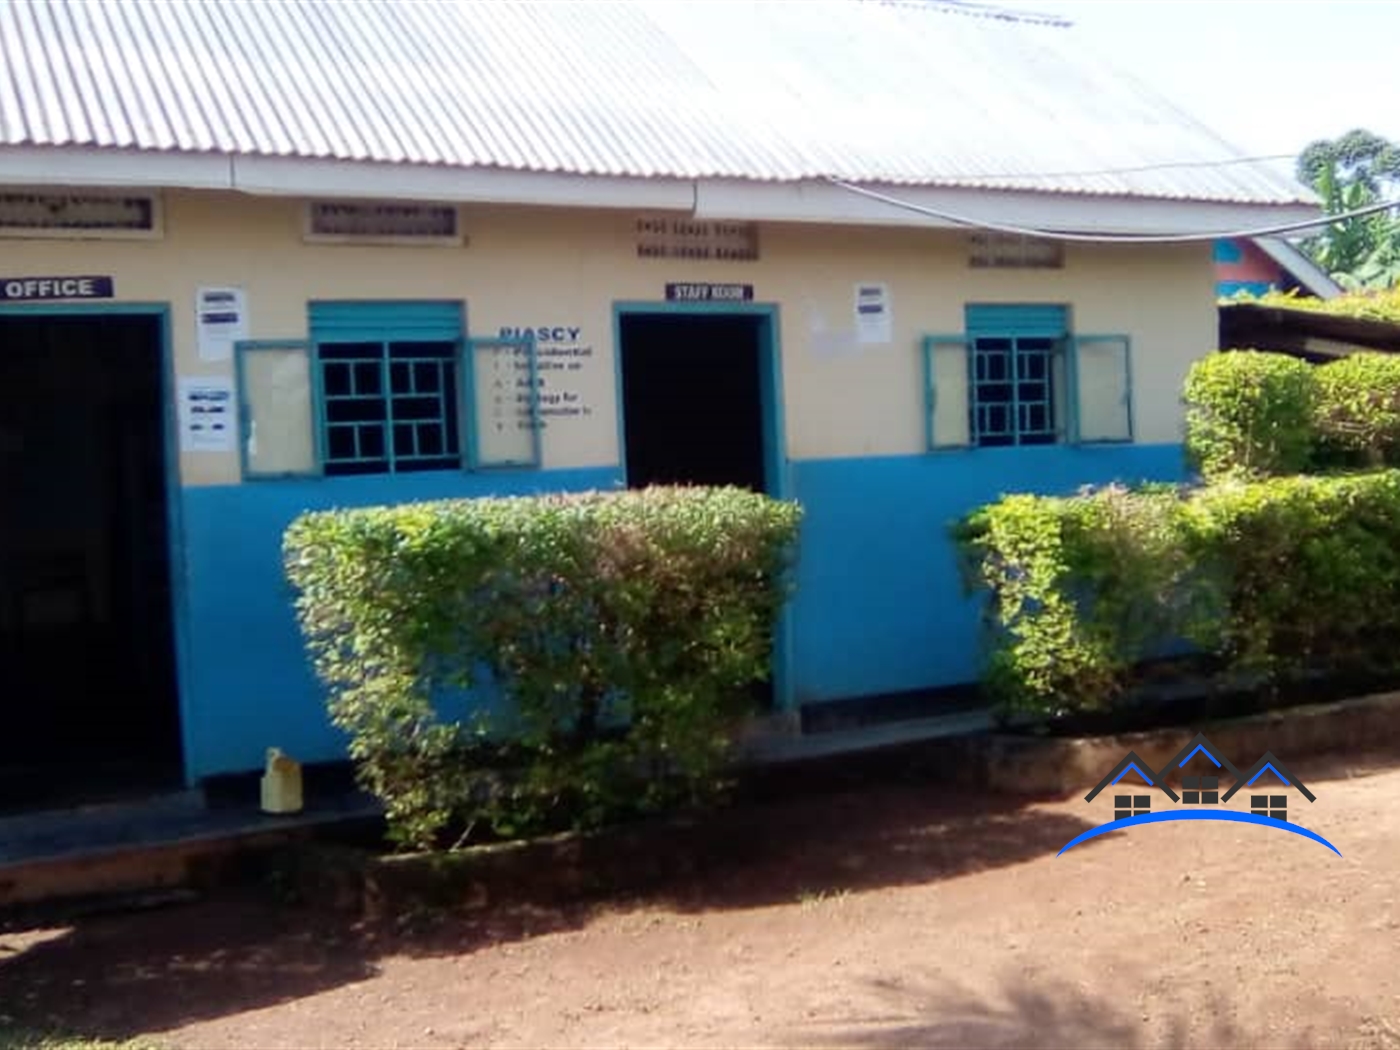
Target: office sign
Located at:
point(709, 293)
point(33, 289)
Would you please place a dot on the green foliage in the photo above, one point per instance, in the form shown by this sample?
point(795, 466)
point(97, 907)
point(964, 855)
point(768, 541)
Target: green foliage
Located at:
point(621, 629)
point(1078, 588)
point(1363, 306)
point(1274, 577)
point(1250, 414)
point(27, 1039)
point(1350, 173)
point(1358, 410)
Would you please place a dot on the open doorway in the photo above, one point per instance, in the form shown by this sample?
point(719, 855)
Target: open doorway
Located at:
point(692, 399)
point(697, 397)
point(88, 698)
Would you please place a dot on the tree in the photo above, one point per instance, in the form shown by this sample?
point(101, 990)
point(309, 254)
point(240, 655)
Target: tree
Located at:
point(1351, 172)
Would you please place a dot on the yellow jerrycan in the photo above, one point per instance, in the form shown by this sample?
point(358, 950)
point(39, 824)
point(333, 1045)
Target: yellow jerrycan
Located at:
point(281, 784)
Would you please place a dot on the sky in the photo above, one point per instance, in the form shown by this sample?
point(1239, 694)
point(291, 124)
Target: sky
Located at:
point(1268, 75)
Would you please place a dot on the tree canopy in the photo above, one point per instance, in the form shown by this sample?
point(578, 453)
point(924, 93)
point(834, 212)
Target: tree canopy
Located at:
point(1351, 172)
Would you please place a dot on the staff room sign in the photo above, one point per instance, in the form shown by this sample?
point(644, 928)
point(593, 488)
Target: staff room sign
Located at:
point(709, 293)
point(32, 289)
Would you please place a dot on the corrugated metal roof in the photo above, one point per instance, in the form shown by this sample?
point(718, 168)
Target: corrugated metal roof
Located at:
point(933, 93)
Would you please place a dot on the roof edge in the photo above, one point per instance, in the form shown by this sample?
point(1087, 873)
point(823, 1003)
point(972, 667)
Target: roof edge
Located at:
point(812, 201)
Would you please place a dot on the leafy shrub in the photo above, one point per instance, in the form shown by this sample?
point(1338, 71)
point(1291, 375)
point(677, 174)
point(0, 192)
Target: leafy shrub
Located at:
point(622, 629)
point(1250, 414)
point(1361, 305)
point(1276, 577)
point(1079, 590)
point(1358, 410)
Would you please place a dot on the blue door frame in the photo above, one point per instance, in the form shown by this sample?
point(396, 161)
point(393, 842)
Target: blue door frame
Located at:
point(171, 455)
point(775, 463)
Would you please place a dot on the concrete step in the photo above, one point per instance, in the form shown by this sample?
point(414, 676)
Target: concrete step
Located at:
point(149, 845)
point(782, 743)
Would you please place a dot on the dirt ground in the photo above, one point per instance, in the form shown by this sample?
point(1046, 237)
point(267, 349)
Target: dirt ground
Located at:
point(879, 917)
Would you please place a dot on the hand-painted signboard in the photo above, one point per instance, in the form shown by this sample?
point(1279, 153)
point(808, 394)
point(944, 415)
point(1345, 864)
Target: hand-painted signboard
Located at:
point(709, 293)
point(22, 289)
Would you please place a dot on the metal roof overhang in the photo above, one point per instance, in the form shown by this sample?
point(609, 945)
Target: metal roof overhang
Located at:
point(810, 202)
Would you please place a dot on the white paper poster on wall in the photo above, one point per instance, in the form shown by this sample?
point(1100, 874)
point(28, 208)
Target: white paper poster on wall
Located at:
point(873, 314)
point(222, 319)
point(207, 422)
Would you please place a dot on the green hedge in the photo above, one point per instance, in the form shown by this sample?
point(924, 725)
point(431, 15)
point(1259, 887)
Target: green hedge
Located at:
point(1358, 411)
point(1274, 577)
point(623, 629)
point(1250, 414)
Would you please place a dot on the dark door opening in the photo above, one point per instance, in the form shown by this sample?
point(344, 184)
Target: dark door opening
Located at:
point(88, 701)
point(693, 406)
point(692, 400)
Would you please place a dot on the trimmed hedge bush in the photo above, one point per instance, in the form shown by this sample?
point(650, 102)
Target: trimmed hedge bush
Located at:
point(622, 630)
point(1358, 410)
point(1273, 577)
point(1250, 414)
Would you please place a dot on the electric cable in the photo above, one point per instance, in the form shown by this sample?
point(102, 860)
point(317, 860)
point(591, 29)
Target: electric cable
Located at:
point(1111, 238)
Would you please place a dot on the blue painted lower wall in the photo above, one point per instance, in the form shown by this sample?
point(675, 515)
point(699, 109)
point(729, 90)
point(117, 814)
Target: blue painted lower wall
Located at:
point(879, 605)
point(246, 683)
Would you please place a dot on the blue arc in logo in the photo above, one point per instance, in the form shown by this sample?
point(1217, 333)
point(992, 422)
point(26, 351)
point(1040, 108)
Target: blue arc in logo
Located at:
point(1198, 814)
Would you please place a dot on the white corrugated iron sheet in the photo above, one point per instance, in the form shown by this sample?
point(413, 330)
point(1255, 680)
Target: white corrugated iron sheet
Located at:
point(896, 92)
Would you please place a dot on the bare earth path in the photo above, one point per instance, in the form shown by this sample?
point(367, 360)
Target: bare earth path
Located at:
point(882, 917)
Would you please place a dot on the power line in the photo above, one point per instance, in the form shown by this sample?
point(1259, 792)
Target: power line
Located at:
point(1110, 238)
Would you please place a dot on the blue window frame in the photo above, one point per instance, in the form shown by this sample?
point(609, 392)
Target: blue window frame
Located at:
point(388, 377)
point(1017, 381)
point(386, 388)
point(1019, 376)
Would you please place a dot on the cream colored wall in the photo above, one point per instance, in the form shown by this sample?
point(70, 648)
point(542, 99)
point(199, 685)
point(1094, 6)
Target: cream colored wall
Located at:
point(548, 269)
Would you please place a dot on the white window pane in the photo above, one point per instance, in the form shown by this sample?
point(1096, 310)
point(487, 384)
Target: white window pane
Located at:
point(1102, 365)
point(505, 403)
point(280, 437)
point(949, 395)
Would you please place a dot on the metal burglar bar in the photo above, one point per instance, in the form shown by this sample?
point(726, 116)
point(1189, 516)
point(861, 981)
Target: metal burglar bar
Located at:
point(390, 407)
point(1016, 369)
point(1013, 396)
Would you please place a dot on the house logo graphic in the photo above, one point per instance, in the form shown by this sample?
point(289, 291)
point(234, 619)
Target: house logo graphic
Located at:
point(1201, 797)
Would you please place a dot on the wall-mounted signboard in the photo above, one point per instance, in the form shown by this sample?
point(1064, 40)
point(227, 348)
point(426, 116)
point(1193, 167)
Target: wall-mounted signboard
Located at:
point(709, 293)
point(31, 289)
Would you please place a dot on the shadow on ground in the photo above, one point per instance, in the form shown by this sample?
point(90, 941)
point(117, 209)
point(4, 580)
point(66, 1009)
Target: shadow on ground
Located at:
point(1043, 1013)
point(120, 975)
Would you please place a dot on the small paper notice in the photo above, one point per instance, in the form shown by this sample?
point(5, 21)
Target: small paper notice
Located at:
point(874, 323)
point(206, 415)
point(223, 320)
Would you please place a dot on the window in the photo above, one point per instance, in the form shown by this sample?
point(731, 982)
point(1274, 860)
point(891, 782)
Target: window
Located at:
point(80, 213)
point(1013, 251)
point(389, 406)
point(1018, 375)
point(364, 222)
point(386, 388)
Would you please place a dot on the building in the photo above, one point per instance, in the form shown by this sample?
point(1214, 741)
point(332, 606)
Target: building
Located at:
point(263, 257)
point(1259, 265)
